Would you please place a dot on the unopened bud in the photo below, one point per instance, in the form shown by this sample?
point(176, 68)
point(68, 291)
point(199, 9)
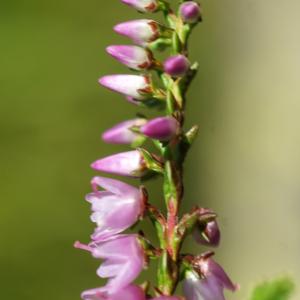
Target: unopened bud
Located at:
point(207, 233)
point(129, 163)
point(190, 12)
point(134, 57)
point(142, 5)
point(176, 66)
point(135, 86)
point(122, 133)
point(163, 128)
point(140, 32)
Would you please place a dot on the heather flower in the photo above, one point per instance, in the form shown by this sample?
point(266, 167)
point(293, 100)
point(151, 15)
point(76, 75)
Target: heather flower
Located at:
point(123, 260)
point(136, 86)
point(131, 292)
point(190, 11)
point(129, 163)
point(142, 5)
point(122, 133)
point(167, 298)
point(177, 65)
point(115, 209)
point(163, 128)
point(134, 57)
point(211, 284)
point(207, 234)
point(140, 31)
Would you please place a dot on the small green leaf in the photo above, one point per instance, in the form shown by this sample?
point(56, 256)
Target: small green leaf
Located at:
point(280, 289)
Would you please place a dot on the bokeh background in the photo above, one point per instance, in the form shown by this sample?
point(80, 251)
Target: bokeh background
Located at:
point(245, 164)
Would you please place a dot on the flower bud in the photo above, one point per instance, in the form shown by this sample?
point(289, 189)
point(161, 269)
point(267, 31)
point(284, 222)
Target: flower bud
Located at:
point(163, 128)
point(190, 12)
point(207, 281)
point(135, 86)
point(131, 292)
point(134, 57)
point(123, 260)
point(207, 234)
point(176, 66)
point(140, 31)
point(129, 163)
point(142, 5)
point(115, 209)
point(122, 133)
point(167, 298)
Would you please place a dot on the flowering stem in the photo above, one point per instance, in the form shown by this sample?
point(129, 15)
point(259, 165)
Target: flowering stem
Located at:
point(168, 271)
point(118, 206)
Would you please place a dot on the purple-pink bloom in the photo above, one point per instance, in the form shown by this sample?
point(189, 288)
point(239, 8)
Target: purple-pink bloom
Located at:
point(142, 5)
point(167, 298)
point(176, 66)
point(136, 86)
point(211, 286)
point(190, 11)
point(115, 209)
point(131, 292)
point(162, 128)
point(129, 163)
point(123, 260)
point(208, 234)
point(140, 31)
point(122, 133)
point(134, 57)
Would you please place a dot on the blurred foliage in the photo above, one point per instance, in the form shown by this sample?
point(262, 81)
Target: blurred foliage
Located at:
point(280, 289)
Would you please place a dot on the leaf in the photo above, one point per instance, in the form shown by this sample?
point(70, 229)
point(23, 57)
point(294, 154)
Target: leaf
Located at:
point(279, 289)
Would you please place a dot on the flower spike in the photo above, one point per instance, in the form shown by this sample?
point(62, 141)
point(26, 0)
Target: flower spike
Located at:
point(118, 206)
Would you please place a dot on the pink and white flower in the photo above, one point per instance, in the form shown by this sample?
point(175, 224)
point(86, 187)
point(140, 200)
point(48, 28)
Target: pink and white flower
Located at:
point(136, 86)
point(131, 292)
point(134, 57)
point(115, 209)
point(129, 163)
point(211, 286)
point(140, 31)
point(122, 133)
point(123, 260)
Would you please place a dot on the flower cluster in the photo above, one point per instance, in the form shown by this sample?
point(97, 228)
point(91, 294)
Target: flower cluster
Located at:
point(116, 206)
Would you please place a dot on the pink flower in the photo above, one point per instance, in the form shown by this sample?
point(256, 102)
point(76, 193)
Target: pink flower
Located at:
point(211, 286)
point(190, 11)
point(167, 298)
point(208, 234)
point(142, 5)
point(115, 209)
point(177, 65)
point(140, 31)
point(129, 163)
point(122, 133)
point(134, 57)
point(123, 260)
point(163, 128)
point(136, 86)
point(131, 292)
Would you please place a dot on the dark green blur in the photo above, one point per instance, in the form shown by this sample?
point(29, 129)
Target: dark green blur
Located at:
point(245, 164)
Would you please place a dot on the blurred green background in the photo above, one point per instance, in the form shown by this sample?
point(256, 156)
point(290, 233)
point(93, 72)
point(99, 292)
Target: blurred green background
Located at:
point(245, 164)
